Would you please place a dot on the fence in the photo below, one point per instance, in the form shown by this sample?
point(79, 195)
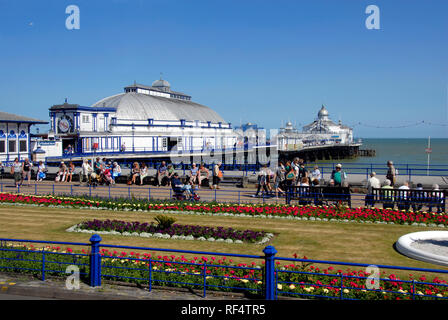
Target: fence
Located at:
point(152, 193)
point(262, 278)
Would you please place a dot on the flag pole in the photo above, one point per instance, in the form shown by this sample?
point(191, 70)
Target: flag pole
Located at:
point(429, 147)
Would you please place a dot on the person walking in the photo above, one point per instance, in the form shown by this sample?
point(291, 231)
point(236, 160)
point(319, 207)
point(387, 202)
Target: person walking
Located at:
point(16, 171)
point(391, 173)
point(86, 171)
point(262, 181)
point(338, 176)
point(217, 176)
point(279, 179)
point(26, 171)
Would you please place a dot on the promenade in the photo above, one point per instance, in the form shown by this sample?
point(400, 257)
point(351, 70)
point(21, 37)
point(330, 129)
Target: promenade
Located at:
point(227, 193)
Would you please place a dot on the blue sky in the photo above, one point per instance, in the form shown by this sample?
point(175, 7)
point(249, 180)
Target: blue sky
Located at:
point(265, 62)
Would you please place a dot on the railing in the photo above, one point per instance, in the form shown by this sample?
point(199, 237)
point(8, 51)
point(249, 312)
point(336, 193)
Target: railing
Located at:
point(262, 277)
point(135, 191)
point(296, 195)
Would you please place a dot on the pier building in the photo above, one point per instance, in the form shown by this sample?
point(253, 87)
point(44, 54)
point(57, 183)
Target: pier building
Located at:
point(143, 120)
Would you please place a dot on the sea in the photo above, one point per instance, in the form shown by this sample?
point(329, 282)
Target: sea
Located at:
point(402, 151)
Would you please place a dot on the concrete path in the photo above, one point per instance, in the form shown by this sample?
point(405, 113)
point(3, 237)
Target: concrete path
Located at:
point(16, 286)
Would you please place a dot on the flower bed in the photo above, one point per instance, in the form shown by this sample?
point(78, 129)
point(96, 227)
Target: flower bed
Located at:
point(308, 212)
point(299, 279)
point(175, 231)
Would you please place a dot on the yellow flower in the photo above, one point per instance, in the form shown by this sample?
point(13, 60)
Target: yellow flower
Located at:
point(346, 291)
point(325, 290)
point(440, 295)
point(244, 280)
point(279, 287)
point(292, 287)
point(260, 282)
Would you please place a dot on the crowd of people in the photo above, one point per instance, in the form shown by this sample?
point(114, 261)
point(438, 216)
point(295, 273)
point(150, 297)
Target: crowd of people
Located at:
point(294, 173)
point(270, 182)
point(197, 177)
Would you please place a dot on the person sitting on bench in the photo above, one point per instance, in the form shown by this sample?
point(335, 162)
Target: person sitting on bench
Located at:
point(179, 187)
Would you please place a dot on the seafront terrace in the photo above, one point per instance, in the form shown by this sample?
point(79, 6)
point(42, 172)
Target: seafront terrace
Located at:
point(226, 194)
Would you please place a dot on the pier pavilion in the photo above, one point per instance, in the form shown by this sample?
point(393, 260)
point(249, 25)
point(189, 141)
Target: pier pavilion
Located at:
point(142, 120)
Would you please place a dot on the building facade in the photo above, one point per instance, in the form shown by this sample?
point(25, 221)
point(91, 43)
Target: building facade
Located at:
point(321, 132)
point(142, 119)
point(15, 136)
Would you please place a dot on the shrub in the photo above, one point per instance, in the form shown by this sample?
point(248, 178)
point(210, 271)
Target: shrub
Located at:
point(164, 222)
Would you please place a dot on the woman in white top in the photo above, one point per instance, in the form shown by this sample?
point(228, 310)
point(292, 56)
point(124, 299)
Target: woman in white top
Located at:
point(116, 171)
point(143, 172)
point(86, 170)
point(41, 171)
point(315, 174)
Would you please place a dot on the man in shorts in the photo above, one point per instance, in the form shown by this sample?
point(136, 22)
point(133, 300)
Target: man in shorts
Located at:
point(16, 170)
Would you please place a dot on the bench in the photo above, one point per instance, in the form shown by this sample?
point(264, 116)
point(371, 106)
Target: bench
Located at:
point(405, 199)
point(319, 195)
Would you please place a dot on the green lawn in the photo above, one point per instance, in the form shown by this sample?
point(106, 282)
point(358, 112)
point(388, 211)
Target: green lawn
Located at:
point(348, 242)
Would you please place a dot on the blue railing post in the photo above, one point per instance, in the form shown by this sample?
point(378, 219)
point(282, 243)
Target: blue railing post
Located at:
point(341, 294)
point(150, 275)
point(35, 188)
point(149, 194)
point(90, 190)
point(71, 190)
point(205, 278)
point(269, 274)
point(413, 289)
point(53, 188)
point(95, 261)
point(43, 264)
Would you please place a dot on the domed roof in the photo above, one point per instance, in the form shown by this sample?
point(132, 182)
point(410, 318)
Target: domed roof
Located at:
point(139, 106)
point(322, 112)
point(161, 83)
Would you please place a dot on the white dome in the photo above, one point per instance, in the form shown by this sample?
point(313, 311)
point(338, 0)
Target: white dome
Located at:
point(322, 112)
point(139, 106)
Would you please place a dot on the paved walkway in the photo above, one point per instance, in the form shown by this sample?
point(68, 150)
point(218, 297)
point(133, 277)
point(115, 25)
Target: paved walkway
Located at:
point(16, 286)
